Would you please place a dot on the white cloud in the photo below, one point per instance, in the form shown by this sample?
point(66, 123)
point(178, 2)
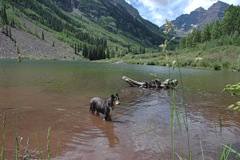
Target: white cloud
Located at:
point(157, 11)
point(234, 2)
point(153, 10)
point(128, 1)
point(156, 17)
point(153, 4)
point(170, 12)
point(194, 4)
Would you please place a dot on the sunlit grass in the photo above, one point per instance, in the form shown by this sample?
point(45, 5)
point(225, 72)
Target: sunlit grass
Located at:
point(229, 149)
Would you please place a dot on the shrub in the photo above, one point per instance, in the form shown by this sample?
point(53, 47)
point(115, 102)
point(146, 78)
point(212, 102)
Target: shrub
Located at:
point(204, 63)
point(216, 67)
point(226, 65)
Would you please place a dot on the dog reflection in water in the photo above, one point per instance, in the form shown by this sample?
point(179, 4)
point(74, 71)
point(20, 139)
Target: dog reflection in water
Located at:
point(104, 106)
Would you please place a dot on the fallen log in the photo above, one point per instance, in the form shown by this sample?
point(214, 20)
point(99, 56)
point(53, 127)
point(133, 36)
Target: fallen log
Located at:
point(168, 83)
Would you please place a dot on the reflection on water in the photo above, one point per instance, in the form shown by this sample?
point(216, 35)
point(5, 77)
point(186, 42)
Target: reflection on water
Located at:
point(41, 94)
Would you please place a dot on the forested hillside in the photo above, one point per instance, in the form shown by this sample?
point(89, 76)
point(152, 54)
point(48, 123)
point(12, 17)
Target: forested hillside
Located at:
point(216, 46)
point(94, 29)
point(224, 32)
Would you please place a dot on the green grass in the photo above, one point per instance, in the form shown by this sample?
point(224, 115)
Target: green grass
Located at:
point(224, 58)
point(227, 150)
point(48, 144)
point(39, 149)
point(24, 154)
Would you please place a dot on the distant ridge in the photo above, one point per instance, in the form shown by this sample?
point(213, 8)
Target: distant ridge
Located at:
point(199, 17)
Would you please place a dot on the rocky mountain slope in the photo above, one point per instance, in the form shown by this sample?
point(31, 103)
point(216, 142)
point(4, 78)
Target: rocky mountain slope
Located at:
point(115, 15)
point(91, 29)
point(199, 17)
point(30, 45)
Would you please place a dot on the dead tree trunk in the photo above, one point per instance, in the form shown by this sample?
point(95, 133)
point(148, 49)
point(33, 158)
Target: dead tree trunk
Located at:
point(168, 83)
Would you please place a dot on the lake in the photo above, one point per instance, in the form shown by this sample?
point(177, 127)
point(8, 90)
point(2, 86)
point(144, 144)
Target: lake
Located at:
point(38, 94)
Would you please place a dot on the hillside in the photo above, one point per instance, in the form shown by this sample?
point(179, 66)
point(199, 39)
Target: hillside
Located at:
point(75, 29)
point(29, 44)
point(216, 46)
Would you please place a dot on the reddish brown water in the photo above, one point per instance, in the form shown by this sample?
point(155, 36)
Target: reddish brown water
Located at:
point(39, 95)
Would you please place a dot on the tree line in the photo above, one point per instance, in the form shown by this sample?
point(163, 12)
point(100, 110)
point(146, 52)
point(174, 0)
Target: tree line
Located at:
point(221, 32)
point(48, 14)
point(6, 23)
point(68, 29)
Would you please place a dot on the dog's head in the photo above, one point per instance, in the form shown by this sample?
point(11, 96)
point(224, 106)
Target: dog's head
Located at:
point(115, 99)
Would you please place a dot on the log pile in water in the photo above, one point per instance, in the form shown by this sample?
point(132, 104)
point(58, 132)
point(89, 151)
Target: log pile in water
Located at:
point(168, 83)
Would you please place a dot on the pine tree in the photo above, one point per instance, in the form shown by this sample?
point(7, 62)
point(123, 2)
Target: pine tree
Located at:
point(236, 38)
point(3, 29)
point(10, 32)
point(216, 30)
point(12, 23)
point(129, 47)
point(182, 42)
point(75, 48)
point(196, 36)
point(189, 41)
point(43, 36)
point(85, 51)
point(78, 48)
point(4, 16)
point(228, 21)
point(6, 31)
point(206, 34)
point(108, 54)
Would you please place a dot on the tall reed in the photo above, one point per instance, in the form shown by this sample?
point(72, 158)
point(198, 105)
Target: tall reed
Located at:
point(48, 144)
point(227, 150)
point(174, 113)
point(3, 136)
point(57, 149)
point(16, 143)
point(202, 150)
point(185, 115)
point(225, 153)
point(173, 110)
point(39, 149)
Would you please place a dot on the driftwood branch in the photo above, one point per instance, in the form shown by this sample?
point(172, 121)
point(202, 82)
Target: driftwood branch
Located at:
point(168, 83)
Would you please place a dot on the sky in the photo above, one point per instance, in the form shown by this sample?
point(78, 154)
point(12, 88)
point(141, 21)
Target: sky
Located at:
point(157, 11)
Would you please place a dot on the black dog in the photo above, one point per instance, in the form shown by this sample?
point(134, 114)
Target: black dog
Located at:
point(104, 106)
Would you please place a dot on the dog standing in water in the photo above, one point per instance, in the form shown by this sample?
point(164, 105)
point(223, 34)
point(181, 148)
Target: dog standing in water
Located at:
point(104, 106)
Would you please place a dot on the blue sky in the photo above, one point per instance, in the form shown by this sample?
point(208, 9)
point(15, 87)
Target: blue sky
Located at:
point(157, 11)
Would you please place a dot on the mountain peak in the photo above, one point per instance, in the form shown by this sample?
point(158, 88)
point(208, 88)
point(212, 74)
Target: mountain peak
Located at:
point(200, 9)
point(199, 17)
point(218, 5)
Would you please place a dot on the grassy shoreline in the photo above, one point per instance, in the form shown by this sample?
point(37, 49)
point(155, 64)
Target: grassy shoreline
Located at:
point(216, 58)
